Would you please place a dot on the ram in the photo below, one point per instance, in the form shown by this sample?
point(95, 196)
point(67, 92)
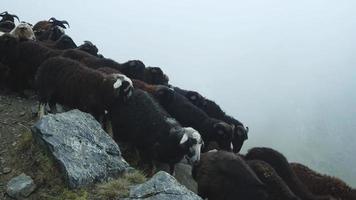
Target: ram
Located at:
point(7, 22)
point(143, 123)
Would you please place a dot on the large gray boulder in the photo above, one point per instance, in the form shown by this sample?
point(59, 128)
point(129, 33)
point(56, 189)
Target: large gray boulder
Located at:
point(161, 186)
point(85, 152)
point(20, 187)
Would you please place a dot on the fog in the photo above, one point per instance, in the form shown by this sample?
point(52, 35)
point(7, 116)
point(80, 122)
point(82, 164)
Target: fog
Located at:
point(285, 68)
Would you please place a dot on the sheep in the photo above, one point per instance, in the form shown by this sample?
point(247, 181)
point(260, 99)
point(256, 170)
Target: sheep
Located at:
point(189, 115)
point(323, 184)
point(283, 169)
point(52, 29)
point(143, 123)
point(23, 59)
point(23, 31)
point(276, 187)
point(7, 22)
point(68, 82)
point(224, 175)
point(213, 110)
point(134, 69)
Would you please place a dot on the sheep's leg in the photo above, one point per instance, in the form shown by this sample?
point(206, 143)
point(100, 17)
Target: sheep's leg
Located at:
point(53, 108)
point(108, 127)
point(41, 110)
point(172, 169)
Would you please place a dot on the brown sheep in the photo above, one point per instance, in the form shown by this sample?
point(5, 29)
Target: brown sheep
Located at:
point(224, 175)
point(323, 184)
point(281, 165)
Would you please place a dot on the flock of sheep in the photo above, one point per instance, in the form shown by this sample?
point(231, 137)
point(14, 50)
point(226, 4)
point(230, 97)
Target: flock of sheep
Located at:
point(138, 106)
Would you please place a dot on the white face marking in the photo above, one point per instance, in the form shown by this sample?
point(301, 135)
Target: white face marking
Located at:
point(213, 150)
point(184, 138)
point(117, 84)
point(231, 146)
point(23, 31)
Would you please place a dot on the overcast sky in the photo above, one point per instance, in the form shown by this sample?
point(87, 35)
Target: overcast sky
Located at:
point(285, 68)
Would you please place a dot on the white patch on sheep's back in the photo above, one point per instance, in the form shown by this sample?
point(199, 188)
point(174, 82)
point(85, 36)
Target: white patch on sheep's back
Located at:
point(184, 139)
point(117, 83)
point(171, 120)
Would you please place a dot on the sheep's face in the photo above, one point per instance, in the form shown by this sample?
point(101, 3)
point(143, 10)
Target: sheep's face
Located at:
point(154, 75)
point(122, 86)
point(223, 134)
point(192, 143)
point(89, 48)
point(240, 135)
point(23, 31)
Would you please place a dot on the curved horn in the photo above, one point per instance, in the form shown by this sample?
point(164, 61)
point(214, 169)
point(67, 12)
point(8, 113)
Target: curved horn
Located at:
point(4, 13)
point(15, 16)
point(52, 19)
point(65, 22)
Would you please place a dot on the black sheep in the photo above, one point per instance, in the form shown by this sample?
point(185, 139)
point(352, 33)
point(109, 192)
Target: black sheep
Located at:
point(213, 110)
point(188, 114)
point(144, 123)
point(224, 175)
point(65, 81)
point(52, 29)
point(282, 167)
point(276, 187)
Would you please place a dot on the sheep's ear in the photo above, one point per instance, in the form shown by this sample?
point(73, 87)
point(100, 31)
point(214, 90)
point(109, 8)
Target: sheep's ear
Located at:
point(184, 139)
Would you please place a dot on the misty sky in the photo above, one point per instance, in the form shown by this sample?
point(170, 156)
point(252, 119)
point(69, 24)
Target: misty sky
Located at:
point(285, 68)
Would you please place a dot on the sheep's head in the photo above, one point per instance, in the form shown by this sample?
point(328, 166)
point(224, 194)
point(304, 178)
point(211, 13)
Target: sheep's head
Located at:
point(89, 48)
point(240, 135)
point(155, 75)
point(191, 142)
point(23, 31)
point(223, 134)
point(8, 17)
point(122, 86)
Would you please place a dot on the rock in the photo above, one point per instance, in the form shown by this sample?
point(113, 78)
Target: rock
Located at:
point(85, 152)
point(183, 174)
point(161, 186)
point(20, 186)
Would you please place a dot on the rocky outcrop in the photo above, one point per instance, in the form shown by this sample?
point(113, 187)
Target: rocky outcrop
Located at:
point(85, 152)
point(20, 187)
point(161, 186)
